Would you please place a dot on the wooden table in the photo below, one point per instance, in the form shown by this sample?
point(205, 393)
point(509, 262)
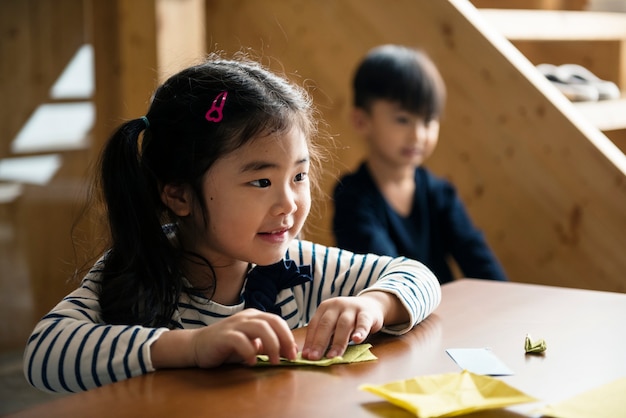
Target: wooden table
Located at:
point(584, 331)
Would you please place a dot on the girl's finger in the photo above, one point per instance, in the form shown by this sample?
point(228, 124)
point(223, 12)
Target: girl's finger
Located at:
point(363, 327)
point(318, 336)
point(343, 331)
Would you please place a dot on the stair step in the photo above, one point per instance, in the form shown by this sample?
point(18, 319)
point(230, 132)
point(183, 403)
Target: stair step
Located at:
point(606, 115)
point(560, 25)
point(567, 25)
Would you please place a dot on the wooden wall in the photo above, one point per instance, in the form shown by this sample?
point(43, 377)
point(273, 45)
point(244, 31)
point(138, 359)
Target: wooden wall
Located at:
point(37, 40)
point(548, 189)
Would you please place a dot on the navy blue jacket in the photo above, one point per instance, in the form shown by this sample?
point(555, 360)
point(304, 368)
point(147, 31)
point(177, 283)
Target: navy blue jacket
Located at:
point(438, 227)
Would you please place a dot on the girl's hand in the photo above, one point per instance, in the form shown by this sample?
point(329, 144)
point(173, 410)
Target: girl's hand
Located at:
point(343, 319)
point(241, 337)
point(237, 338)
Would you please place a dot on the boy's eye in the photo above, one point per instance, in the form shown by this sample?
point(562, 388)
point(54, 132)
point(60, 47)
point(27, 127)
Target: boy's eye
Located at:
point(301, 176)
point(261, 183)
point(402, 119)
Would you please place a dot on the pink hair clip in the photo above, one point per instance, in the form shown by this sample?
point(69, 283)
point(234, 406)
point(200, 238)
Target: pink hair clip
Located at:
point(214, 114)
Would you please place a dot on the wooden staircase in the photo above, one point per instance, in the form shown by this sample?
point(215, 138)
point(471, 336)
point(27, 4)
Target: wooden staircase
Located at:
point(595, 40)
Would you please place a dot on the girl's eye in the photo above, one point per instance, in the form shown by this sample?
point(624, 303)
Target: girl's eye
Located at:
point(261, 183)
point(301, 176)
point(402, 119)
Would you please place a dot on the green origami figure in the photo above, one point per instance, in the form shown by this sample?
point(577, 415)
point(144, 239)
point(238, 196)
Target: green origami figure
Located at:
point(534, 347)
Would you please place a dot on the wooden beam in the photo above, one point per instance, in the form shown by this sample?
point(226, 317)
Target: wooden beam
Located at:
point(125, 51)
point(181, 36)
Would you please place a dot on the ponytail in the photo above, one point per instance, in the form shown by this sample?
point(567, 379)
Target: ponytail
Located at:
point(137, 285)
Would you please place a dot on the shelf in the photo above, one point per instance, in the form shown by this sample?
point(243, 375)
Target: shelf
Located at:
point(548, 29)
point(606, 115)
point(558, 25)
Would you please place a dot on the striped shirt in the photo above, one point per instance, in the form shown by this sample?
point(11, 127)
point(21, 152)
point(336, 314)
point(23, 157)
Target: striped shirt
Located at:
point(71, 349)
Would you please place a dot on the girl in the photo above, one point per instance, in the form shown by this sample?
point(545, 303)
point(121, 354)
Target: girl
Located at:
point(205, 266)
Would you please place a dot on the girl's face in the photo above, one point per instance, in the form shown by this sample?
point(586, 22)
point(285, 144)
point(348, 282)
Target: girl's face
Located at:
point(397, 136)
point(257, 198)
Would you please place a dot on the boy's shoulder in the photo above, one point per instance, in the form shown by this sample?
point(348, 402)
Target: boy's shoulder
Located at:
point(424, 175)
point(357, 179)
point(357, 189)
point(359, 184)
point(440, 190)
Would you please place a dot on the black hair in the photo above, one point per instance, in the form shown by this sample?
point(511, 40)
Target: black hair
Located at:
point(142, 274)
point(403, 75)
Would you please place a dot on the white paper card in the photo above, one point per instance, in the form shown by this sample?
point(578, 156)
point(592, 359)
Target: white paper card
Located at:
point(479, 360)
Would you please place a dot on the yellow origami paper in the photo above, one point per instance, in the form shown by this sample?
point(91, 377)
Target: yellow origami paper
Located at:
point(450, 394)
point(607, 401)
point(534, 347)
point(353, 354)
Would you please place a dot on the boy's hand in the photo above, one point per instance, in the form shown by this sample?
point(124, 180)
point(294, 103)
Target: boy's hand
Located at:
point(343, 319)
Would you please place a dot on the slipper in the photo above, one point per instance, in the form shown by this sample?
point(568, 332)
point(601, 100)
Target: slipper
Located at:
point(577, 92)
point(578, 75)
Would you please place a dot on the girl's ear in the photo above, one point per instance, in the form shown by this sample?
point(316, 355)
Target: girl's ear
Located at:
point(178, 198)
point(360, 120)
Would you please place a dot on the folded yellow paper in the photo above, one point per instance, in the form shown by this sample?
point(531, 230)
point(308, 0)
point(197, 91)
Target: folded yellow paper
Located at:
point(534, 347)
point(607, 401)
point(353, 354)
point(450, 394)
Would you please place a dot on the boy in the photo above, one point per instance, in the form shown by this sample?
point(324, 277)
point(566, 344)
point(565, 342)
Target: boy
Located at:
point(392, 205)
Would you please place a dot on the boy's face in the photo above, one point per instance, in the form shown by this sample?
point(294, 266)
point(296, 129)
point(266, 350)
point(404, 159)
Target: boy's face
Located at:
point(395, 135)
